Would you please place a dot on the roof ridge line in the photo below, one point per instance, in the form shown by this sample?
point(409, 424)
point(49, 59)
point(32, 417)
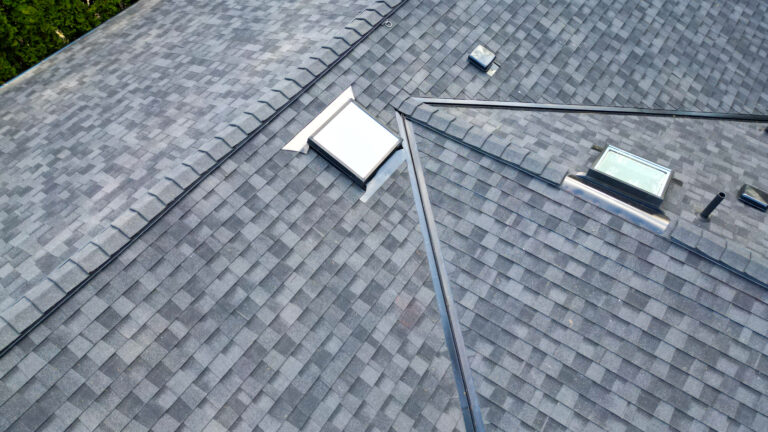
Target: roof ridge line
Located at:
point(24, 314)
point(482, 140)
point(741, 260)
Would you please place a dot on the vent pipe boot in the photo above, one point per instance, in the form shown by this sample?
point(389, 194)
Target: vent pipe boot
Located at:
point(712, 205)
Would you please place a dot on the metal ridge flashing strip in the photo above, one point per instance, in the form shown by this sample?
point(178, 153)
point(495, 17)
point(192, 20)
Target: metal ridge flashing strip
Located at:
point(470, 103)
point(77, 271)
point(470, 406)
point(544, 169)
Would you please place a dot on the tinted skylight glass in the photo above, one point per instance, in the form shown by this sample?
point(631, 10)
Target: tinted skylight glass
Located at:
point(633, 170)
point(355, 141)
point(754, 197)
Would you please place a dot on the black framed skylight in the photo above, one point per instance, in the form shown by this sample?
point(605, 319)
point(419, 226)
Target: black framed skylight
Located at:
point(355, 142)
point(631, 176)
point(754, 197)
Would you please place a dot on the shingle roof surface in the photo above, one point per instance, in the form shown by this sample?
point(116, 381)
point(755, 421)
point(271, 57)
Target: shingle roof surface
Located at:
point(85, 132)
point(270, 298)
point(579, 320)
point(707, 156)
point(236, 309)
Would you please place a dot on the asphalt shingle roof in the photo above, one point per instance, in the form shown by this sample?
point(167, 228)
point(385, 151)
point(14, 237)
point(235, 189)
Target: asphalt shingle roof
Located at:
point(86, 133)
point(271, 298)
point(579, 320)
point(707, 156)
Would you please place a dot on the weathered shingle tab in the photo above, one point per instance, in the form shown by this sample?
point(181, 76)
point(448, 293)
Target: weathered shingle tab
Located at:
point(44, 295)
point(68, 276)
point(736, 256)
point(111, 240)
point(129, 223)
point(90, 257)
point(21, 315)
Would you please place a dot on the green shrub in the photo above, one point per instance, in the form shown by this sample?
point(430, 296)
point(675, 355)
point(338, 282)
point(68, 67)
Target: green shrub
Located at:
point(31, 30)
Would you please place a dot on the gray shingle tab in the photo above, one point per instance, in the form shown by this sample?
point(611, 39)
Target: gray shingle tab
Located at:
point(758, 268)
point(21, 315)
point(554, 172)
point(686, 233)
point(148, 207)
point(246, 123)
point(44, 295)
point(182, 175)
point(215, 148)
point(7, 335)
point(231, 135)
point(361, 27)
point(129, 223)
point(111, 240)
point(534, 163)
point(68, 276)
point(166, 190)
point(200, 162)
point(90, 257)
point(261, 111)
point(711, 245)
point(736, 256)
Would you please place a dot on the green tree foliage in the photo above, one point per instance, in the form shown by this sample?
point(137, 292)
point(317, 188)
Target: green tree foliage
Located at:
point(31, 30)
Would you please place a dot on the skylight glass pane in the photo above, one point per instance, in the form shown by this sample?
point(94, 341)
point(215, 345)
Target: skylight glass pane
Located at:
point(633, 170)
point(356, 140)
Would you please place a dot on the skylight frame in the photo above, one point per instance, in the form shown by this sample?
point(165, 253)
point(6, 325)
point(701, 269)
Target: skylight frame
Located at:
point(645, 196)
point(359, 178)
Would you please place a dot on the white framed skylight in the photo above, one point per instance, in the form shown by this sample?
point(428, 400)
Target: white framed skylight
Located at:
point(631, 175)
point(355, 142)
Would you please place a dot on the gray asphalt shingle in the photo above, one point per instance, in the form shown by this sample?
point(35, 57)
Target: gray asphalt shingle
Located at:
point(550, 306)
point(271, 298)
point(89, 129)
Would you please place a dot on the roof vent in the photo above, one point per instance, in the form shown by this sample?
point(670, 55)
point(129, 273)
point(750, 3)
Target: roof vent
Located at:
point(355, 142)
point(482, 57)
point(620, 172)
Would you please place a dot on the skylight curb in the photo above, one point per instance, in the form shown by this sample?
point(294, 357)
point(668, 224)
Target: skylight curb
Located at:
point(74, 273)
